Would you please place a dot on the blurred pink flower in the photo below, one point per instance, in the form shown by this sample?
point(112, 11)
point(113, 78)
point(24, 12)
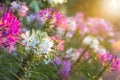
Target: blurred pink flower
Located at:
point(106, 57)
point(86, 55)
point(54, 17)
point(95, 26)
point(115, 66)
point(58, 41)
point(114, 61)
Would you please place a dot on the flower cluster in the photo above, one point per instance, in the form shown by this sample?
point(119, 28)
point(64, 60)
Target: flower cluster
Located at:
point(94, 25)
point(20, 7)
point(89, 25)
point(38, 41)
point(9, 30)
point(91, 41)
point(52, 17)
point(112, 60)
point(94, 44)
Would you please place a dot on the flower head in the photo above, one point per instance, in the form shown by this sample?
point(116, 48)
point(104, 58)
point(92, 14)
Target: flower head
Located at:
point(46, 45)
point(9, 30)
point(52, 17)
point(91, 41)
point(37, 41)
point(114, 61)
point(95, 26)
point(20, 7)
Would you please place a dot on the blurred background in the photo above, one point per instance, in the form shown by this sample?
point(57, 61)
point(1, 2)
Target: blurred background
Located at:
point(106, 9)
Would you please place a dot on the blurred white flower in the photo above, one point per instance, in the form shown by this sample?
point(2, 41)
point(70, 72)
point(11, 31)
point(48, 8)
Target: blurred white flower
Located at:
point(72, 54)
point(92, 42)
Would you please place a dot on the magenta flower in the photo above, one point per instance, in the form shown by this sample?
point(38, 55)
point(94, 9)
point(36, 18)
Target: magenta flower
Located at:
point(54, 17)
point(106, 57)
point(115, 61)
point(9, 30)
point(115, 66)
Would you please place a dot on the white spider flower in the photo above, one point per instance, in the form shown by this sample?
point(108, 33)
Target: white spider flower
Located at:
point(92, 42)
point(29, 40)
point(101, 50)
point(37, 41)
point(45, 46)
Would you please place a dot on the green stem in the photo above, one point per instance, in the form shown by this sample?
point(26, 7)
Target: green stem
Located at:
point(24, 66)
point(78, 60)
point(87, 60)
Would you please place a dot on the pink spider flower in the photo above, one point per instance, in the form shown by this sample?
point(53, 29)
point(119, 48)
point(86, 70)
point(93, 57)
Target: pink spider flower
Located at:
point(54, 17)
point(115, 66)
point(114, 61)
point(59, 42)
point(9, 30)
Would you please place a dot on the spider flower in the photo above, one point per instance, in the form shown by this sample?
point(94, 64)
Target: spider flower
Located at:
point(37, 41)
point(59, 42)
point(91, 41)
point(52, 17)
point(114, 61)
point(9, 30)
point(20, 7)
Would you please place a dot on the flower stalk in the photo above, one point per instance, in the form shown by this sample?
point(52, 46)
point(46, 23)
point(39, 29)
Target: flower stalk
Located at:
point(24, 66)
